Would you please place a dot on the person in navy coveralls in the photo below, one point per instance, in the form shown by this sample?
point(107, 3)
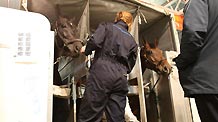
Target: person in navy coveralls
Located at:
point(115, 56)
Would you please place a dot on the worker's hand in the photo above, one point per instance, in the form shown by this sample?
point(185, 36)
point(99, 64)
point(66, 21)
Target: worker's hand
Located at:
point(82, 50)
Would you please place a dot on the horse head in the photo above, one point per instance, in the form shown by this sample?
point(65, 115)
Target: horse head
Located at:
point(67, 37)
point(152, 58)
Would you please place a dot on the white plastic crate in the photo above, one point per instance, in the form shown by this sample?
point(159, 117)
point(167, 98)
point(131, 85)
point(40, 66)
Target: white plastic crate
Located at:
point(26, 67)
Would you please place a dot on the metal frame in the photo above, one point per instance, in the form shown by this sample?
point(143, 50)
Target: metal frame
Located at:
point(178, 3)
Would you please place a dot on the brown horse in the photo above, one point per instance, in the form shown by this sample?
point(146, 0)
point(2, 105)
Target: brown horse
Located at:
point(152, 58)
point(67, 43)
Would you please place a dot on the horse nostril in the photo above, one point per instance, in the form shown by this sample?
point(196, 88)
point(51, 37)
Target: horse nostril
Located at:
point(77, 49)
point(165, 69)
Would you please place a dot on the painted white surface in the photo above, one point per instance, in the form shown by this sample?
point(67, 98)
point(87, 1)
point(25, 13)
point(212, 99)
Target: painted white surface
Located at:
point(26, 65)
point(196, 117)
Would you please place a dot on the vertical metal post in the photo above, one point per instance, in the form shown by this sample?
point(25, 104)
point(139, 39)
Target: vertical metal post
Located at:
point(84, 22)
point(74, 98)
point(137, 71)
point(174, 34)
point(143, 113)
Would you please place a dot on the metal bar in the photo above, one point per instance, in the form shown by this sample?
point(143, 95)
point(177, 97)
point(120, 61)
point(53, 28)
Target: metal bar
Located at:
point(170, 3)
point(74, 98)
point(177, 5)
point(174, 34)
point(143, 113)
point(138, 72)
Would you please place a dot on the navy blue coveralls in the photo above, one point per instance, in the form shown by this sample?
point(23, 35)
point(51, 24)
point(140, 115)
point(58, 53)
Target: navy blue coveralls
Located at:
point(198, 59)
point(107, 87)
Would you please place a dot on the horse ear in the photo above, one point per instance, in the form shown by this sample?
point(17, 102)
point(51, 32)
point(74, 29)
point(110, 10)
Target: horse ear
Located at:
point(147, 46)
point(72, 20)
point(55, 25)
point(60, 18)
point(155, 43)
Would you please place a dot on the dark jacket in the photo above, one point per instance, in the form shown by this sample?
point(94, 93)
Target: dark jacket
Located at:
point(198, 59)
point(113, 42)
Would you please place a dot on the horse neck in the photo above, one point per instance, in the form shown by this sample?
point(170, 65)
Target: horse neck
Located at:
point(58, 50)
point(56, 75)
point(143, 64)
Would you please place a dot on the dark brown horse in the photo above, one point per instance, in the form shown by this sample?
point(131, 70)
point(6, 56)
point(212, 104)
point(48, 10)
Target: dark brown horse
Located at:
point(67, 43)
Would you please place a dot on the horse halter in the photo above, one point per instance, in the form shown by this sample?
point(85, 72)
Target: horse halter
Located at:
point(155, 65)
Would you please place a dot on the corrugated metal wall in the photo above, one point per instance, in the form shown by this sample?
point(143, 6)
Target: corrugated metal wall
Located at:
point(10, 3)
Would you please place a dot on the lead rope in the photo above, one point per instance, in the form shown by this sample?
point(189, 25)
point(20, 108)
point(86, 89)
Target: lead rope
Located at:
point(152, 89)
point(58, 60)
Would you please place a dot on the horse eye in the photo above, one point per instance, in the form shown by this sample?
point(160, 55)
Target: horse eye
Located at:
point(63, 26)
point(66, 48)
point(64, 34)
point(148, 52)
